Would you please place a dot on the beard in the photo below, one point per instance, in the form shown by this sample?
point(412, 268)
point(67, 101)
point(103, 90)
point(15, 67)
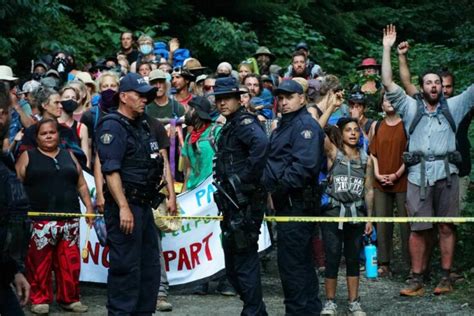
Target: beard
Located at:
point(431, 100)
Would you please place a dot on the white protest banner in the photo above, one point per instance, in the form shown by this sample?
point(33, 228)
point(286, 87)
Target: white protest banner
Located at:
point(94, 267)
point(192, 253)
point(195, 252)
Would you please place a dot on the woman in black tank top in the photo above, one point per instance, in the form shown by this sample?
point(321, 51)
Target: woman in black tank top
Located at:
point(53, 181)
point(69, 96)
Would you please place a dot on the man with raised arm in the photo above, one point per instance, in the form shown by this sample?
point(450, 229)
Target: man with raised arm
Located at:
point(433, 184)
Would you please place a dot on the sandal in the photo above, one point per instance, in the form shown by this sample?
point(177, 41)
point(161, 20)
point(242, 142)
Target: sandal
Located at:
point(384, 271)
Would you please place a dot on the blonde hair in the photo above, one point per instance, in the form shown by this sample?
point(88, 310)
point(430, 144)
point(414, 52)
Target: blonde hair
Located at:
point(105, 74)
point(303, 82)
point(85, 96)
point(144, 38)
point(69, 87)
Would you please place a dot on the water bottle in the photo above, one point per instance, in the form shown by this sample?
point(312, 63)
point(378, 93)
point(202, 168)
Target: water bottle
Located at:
point(370, 251)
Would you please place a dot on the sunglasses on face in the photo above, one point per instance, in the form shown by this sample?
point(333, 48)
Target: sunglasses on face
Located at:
point(208, 88)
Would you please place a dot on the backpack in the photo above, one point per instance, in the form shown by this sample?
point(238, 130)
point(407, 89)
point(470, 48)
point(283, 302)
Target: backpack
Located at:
point(160, 49)
point(179, 56)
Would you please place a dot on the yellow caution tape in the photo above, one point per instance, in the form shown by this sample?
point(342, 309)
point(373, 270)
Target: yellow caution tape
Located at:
point(36, 214)
point(283, 219)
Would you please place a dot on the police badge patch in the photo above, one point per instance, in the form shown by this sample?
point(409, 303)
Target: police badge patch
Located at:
point(307, 134)
point(106, 138)
point(246, 121)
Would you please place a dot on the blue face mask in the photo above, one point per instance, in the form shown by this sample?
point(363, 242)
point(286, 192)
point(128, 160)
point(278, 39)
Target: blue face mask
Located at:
point(146, 49)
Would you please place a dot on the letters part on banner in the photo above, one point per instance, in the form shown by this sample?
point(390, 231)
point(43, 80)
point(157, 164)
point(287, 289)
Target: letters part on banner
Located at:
point(188, 257)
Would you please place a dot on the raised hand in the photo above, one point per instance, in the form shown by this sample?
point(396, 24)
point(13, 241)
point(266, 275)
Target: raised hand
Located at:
point(389, 35)
point(174, 44)
point(402, 48)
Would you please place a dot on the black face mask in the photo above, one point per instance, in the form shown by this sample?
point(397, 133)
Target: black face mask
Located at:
point(108, 100)
point(37, 76)
point(69, 106)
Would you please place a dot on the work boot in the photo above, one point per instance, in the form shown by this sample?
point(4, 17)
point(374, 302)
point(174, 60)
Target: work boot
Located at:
point(329, 308)
point(225, 288)
point(75, 307)
point(40, 309)
point(201, 289)
point(355, 309)
point(444, 286)
point(414, 288)
point(163, 305)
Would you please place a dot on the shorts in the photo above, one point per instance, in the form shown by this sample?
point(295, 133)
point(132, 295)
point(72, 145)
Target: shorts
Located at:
point(440, 201)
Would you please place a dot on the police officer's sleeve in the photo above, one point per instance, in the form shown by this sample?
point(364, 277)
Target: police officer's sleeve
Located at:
point(111, 145)
point(306, 156)
point(253, 135)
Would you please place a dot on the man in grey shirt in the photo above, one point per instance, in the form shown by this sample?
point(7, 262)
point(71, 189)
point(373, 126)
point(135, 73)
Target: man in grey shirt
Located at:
point(433, 183)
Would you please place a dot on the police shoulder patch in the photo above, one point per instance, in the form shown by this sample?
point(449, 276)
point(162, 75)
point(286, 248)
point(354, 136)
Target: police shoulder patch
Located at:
point(307, 134)
point(246, 121)
point(106, 138)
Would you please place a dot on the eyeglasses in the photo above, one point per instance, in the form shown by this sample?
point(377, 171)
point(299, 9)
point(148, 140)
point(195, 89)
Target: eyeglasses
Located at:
point(208, 88)
point(56, 164)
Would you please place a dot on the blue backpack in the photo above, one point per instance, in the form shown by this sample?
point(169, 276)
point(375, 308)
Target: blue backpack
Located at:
point(179, 56)
point(161, 49)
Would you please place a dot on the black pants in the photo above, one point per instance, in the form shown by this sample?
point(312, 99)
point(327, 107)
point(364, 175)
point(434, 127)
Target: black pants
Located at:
point(9, 305)
point(295, 261)
point(243, 272)
point(333, 239)
point(134, 274)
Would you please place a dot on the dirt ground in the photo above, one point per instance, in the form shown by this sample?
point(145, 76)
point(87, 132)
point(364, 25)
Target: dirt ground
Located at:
point(379, 297)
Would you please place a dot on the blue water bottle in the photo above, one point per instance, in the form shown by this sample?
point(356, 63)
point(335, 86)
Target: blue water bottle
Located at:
point(370, 251)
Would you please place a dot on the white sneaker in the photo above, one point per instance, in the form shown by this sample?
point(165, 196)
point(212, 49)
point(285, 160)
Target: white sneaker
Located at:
point(355, 309)
point(329, 308)
point(40, 309)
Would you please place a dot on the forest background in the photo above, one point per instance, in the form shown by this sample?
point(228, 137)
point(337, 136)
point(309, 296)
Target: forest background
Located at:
point(340, 33)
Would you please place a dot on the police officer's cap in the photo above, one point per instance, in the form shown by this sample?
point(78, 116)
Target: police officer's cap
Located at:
point(135, 82)
point(226, 86)
point(288, 86)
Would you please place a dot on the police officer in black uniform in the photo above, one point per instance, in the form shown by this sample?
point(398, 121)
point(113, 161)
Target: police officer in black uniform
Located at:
point(294, 159)
point(129, 155)
point(238, 164)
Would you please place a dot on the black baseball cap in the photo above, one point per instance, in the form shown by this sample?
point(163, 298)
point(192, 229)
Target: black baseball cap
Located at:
point(302, 45)
point(288, 86)
point(202, 106)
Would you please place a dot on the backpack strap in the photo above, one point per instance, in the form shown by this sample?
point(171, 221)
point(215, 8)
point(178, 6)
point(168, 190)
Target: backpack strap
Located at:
point(212, 137)
point(174, 108)
point(377, 126)
point(447, 113)
point(420, 111)
point(95, 116)
point(367, 126)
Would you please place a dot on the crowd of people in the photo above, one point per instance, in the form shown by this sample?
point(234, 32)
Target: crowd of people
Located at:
point(287, 141)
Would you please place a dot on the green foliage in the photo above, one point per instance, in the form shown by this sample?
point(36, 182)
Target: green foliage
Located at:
point(291, 30)
point(217, 40)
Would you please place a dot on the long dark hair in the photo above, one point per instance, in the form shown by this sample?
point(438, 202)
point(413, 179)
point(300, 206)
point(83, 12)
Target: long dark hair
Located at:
point(335, 132)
